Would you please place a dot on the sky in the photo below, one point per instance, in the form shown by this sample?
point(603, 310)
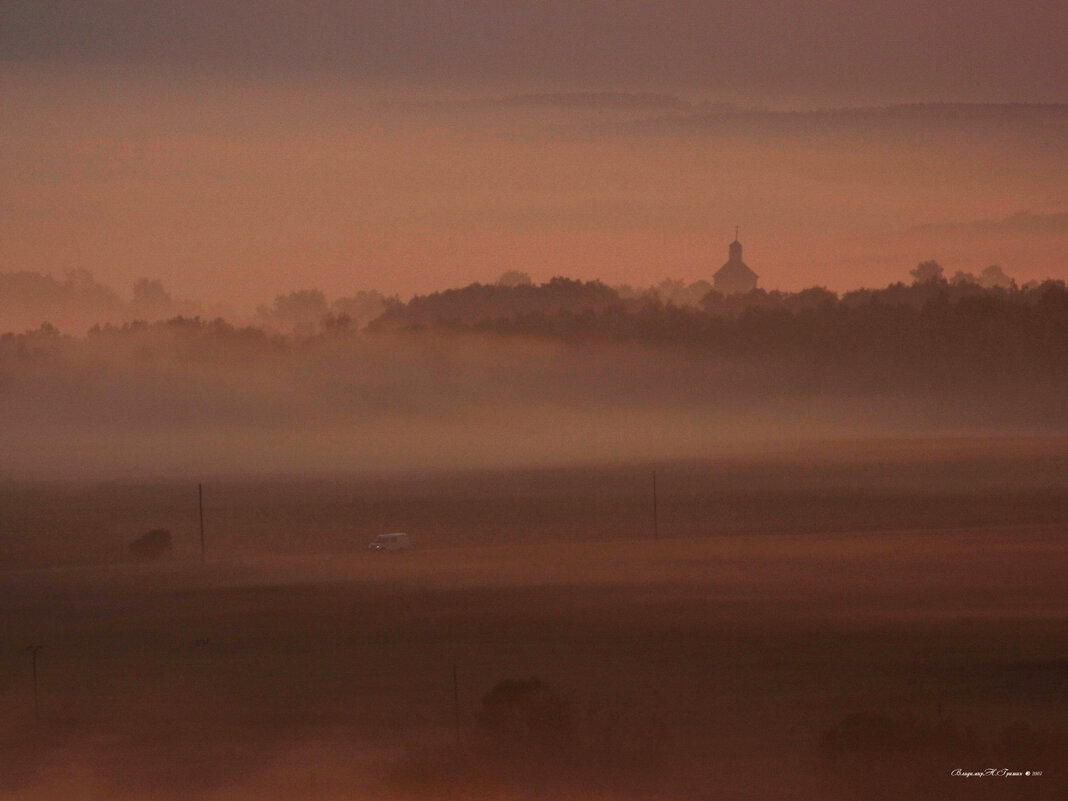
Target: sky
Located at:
point(237, 150)
point(907, 49)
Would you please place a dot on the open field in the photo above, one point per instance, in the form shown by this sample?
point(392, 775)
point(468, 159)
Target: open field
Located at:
point(708, 664)
point(964, 483)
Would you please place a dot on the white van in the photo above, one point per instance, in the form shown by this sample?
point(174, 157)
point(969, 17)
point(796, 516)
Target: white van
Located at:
point(390, 542)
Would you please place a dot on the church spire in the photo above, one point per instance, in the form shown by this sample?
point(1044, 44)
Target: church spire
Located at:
point(735, 249)
point(734, 277)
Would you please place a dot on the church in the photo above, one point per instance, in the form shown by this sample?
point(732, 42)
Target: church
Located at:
point(734, 277)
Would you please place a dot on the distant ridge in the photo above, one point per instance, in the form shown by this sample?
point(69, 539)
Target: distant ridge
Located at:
point(726, 119)
point(660, 101)
point(602, 100)
point(1020, 222)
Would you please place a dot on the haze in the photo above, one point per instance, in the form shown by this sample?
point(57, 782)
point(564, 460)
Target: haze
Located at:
point(236, 152)
point(278, 278)
point(764, 49)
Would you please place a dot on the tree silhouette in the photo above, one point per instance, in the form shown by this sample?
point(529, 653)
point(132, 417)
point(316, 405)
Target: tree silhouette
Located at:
point(926, 272)
point(152, 544)
point(993, 277)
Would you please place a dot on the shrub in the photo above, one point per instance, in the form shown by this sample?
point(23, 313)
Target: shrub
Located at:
point(152, 544)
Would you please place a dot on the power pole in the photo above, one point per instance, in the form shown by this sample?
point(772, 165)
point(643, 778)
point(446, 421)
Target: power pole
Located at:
point(200, 503)
point(33, 649)
point(456, 701)
point(656, 515)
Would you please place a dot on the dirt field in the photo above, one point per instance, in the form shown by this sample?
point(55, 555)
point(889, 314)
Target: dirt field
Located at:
point(741, 661)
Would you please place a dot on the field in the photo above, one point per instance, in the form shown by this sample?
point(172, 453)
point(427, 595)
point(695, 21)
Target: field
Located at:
point(848, 624)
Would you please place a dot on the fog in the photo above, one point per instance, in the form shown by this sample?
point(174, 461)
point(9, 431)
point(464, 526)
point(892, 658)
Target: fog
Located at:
point(380, 403)
point(234, 189)
point(277, 278)
point(205, 399)
point(861, 662)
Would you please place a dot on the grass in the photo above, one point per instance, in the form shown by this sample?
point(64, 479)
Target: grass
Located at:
point(710, 665)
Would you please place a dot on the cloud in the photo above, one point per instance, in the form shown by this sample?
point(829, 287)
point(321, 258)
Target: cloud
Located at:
point(1022, 222)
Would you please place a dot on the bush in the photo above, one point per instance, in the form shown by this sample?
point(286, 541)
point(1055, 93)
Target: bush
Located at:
point(523, 717)
point(152, 544)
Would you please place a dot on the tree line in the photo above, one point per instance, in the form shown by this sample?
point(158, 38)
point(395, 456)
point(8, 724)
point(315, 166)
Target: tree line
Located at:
point(955, 328)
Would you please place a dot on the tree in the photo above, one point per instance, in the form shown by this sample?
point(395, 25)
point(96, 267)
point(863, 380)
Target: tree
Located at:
point(993, 276)
point(152, 544)
point(926, 272)
point(514, 278)
point(300, 306)
point(149, 296)
point(300, 311)
point(361, 308)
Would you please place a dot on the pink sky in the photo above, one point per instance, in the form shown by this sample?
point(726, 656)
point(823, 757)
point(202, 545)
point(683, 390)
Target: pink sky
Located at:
point(238, 151)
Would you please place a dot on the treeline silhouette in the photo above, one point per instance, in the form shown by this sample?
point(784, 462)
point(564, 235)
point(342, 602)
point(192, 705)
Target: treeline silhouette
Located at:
point(79, 301)
point(573, 382)
point(504, 300)
point(955, 328)
point(952, 331)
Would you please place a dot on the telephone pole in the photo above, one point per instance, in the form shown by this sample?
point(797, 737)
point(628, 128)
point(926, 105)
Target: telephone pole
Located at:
point(456, 701)
point(200, 503)
point(656, 515)
point(33, 649)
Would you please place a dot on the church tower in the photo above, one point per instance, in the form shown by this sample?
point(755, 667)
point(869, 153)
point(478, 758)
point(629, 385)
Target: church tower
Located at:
point(734, 251)
point(734, 277)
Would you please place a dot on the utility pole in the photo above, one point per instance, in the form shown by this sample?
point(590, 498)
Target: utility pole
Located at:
point(200, 503)
point(456, 701)
point(33, 649)
point(656, 516)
